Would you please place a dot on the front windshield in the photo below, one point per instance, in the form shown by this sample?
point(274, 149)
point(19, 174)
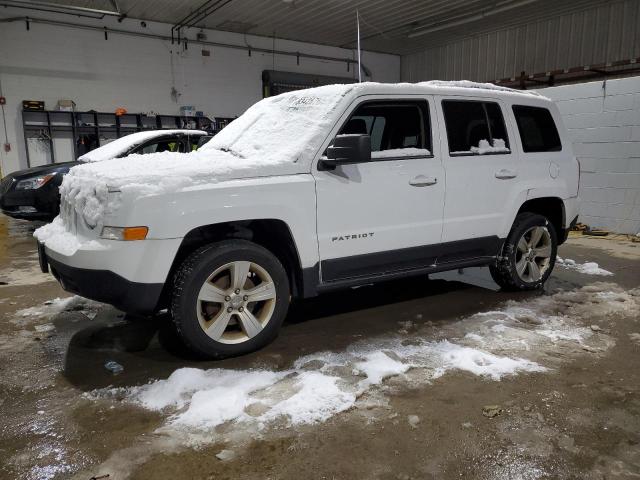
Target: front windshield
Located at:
point(291, 125)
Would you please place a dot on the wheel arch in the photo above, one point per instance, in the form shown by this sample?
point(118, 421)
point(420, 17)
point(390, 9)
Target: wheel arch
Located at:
point(270, 233)
point(550, 207)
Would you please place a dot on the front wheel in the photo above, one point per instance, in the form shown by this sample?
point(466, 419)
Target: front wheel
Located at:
point(528, 254)
point(229, 298)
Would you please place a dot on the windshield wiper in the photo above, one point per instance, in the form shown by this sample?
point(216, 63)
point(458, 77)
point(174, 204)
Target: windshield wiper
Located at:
point(232, 152)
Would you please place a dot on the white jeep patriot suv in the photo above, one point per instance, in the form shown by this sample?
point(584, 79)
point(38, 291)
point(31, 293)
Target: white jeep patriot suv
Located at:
point(316, 190)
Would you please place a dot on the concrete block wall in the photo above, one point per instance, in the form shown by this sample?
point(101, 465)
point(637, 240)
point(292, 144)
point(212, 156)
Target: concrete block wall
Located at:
point(603, 119)
point(50, 62)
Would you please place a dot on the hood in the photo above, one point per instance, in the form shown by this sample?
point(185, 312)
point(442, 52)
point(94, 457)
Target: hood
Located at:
point(276, 136)
point(44, 170)
point(87, 186)
point(122, 145)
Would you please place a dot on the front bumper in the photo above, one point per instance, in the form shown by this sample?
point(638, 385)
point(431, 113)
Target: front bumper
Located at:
point(108, 287)
point(128, 275)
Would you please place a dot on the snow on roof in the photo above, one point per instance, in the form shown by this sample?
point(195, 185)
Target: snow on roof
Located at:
point(433, 86)
point(470, 84)
point(122, 144)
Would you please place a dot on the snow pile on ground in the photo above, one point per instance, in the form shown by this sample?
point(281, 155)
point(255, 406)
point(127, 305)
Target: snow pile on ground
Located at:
point(316, 388)
point(588, 268)
point(562, 321)
point(527, 336)
point(122, 144)
point(50, 308)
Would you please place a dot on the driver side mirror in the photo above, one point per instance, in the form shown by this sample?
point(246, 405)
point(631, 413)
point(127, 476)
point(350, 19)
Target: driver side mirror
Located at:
point(348, 149)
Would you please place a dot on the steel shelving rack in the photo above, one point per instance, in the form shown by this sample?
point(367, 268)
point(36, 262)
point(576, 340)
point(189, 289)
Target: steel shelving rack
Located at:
point(50, 124)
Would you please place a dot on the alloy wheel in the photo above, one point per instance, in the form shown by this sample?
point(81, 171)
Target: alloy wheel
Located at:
point(533, 255)
point(236, 302)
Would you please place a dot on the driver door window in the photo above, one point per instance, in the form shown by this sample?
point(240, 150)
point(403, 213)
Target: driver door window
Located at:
point(397, 129)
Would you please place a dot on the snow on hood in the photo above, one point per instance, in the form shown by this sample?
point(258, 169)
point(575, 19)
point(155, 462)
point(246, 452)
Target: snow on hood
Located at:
point(122, 144)
point(276, 136)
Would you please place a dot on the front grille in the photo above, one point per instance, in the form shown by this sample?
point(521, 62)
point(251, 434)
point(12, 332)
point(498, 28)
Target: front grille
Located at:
point(68, 215)
point(5, 184)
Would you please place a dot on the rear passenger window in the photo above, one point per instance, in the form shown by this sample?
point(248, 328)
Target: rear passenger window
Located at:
point(537, 129)
point(397, 129)
point(475, 128)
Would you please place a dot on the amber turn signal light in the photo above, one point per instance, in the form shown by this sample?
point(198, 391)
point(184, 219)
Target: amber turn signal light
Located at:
point(124, 233)
point(134, 233)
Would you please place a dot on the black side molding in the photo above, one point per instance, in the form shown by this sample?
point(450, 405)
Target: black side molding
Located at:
point(384, 277)
point(422, 258)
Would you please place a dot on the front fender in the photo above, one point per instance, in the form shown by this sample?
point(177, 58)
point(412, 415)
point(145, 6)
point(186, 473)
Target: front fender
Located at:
point(290, 199)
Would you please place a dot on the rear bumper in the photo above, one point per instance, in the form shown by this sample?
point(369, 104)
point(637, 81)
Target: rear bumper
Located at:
point(108, 287)
point(565, 233)
point(571, 207)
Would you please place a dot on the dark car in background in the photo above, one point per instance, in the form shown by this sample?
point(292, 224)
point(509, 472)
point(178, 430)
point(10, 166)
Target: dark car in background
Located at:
point(32, 194)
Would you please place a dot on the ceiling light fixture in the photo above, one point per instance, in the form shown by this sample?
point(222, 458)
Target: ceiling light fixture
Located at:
point(505, 6)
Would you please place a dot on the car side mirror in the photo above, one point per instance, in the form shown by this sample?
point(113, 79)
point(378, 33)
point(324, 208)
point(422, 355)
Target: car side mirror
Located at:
point(348, 149)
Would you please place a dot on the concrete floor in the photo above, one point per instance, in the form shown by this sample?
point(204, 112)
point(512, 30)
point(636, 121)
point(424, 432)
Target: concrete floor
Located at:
point(64, 415)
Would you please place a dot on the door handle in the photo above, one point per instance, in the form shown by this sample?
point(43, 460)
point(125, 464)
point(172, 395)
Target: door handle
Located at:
point(506, 174)
point(422, 181)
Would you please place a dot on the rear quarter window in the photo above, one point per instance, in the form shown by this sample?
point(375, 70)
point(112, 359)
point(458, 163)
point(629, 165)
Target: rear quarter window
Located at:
point(537, 129)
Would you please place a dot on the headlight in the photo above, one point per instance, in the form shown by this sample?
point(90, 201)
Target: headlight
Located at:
point(33, 183)
point(124, 233)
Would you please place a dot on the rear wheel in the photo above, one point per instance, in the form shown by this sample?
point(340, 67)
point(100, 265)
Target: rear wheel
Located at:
point(528, 254)
point(229, 298)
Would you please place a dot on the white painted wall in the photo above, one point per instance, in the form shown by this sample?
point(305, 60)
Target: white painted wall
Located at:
point(51, 63)
point(604, 121)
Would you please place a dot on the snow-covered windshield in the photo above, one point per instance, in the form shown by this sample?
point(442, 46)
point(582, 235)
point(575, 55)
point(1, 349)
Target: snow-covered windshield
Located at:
point(288, 126)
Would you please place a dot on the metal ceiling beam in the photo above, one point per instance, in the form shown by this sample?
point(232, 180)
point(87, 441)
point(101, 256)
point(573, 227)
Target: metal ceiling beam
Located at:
point(60, 8)
point(114, 4)
point(198, 15)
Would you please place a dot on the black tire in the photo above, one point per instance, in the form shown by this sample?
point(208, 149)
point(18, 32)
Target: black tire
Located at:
point(192, 274)
point(504, 271)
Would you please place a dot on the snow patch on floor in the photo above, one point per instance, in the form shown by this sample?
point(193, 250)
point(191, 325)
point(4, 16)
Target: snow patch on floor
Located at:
point(14, 276)
point(481, 363)
point(588, 268)
point(522, 336)
point(317, 387)
point(51, 308)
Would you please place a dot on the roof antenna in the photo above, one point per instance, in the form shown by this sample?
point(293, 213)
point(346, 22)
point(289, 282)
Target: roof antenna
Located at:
point(359, 66)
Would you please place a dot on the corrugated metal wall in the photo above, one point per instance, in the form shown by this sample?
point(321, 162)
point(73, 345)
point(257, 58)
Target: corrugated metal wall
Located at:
point(602, 34)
